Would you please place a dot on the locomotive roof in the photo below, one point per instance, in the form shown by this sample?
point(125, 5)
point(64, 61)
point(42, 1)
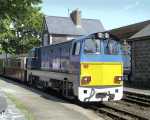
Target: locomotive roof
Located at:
point(82, 37)
point(65, 25)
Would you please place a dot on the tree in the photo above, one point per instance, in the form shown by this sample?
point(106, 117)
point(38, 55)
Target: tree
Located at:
point(20, 23)
point(16, 8)
point(28, 31)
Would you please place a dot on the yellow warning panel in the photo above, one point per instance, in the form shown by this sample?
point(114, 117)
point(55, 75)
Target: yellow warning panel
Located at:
point(101, 73)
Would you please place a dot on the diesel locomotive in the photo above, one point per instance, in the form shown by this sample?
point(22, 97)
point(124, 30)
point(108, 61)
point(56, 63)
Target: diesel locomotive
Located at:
point(89, 68)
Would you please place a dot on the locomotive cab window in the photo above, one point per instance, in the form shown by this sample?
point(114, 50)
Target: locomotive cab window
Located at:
point(92, 46)
point(76, 48)
point(111, 47)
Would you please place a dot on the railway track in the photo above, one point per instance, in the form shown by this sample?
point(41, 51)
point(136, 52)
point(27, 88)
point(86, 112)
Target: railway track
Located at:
point(118, 114)
point(116, 111)
point(136, 98)
point(126, 109)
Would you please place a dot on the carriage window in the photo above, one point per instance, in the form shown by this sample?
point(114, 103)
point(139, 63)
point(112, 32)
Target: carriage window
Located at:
point(92, 46)
point(76, 48)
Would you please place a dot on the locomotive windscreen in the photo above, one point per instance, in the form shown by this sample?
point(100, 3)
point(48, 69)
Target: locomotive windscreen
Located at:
point(111, 46)
point(92, 45)
point(108, 46)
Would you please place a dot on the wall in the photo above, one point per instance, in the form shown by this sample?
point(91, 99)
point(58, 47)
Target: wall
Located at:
point(141, 63)
point(45, 39)
point(59, 38)
point(55, 38)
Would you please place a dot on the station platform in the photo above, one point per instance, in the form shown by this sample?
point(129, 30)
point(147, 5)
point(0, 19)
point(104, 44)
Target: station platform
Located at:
point(42, 106)
point(138, 91)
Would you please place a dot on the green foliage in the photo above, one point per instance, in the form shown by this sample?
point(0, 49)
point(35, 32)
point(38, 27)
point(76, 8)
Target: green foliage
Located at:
point(20, 25)
point(16, 8)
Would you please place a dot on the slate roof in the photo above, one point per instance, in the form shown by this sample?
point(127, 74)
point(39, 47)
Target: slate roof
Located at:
point(65, 25)
point(145, 32)
point(126, 32)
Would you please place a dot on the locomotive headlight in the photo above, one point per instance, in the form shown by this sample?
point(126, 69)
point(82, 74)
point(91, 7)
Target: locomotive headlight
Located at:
point(118, 79)
point(85, 80)
point(85, 65)
point(106, 35)
point(100, 35)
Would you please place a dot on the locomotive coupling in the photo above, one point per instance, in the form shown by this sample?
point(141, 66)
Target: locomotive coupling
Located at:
point(103, 95)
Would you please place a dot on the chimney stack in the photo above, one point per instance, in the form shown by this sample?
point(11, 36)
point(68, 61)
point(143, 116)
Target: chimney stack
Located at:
point(76, 17)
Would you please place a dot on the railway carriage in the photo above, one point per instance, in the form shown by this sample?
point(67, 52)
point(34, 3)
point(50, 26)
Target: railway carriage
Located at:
point(89, 67)
point(14, 67)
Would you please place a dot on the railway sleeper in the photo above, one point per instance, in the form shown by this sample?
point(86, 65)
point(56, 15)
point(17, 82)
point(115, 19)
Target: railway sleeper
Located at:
point(137, 94)
point(114, 114)
point(129, 112)
point(138, 98)
point(132, 100)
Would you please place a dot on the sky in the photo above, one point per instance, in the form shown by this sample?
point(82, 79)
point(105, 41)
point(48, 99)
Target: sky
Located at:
point(112, 13)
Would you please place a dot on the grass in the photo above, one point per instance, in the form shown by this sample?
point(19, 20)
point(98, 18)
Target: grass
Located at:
point(21, 106)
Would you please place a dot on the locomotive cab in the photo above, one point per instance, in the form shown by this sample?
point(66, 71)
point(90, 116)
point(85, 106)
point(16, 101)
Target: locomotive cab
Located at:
point(101, 68)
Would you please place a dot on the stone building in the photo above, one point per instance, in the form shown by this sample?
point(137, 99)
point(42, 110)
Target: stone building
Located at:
point(141, 57)
point(58, 29)
point(138, 37)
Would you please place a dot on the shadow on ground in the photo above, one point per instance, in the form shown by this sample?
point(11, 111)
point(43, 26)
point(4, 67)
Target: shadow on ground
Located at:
point(47, 94)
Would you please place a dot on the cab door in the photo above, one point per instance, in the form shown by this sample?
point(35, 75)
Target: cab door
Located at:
point(75, 65)
point(75, 57)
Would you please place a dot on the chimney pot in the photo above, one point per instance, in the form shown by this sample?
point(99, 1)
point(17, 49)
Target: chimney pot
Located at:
point(76, 17)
